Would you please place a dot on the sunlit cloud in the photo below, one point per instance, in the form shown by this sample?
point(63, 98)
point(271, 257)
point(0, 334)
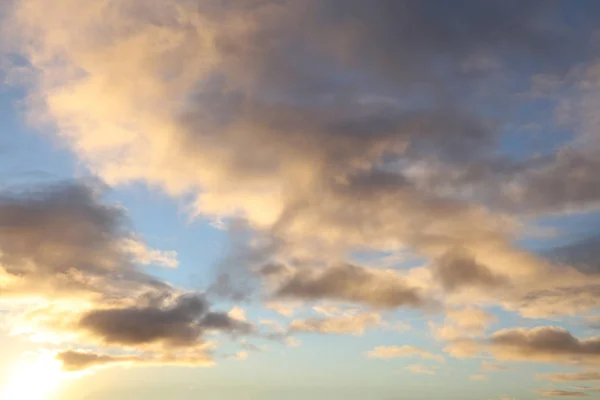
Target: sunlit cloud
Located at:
point(399, 169)
point(387, 352)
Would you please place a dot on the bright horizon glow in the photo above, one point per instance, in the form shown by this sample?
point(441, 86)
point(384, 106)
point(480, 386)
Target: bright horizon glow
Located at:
point(35, 376)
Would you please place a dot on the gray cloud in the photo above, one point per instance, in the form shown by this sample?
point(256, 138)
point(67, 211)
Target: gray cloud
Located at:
point(554, 298)
point(560, 182)
point(352, 284)
point(62, 244)
point(175, 325)
point(457, 269)
point(583, 253)
point(60, 240)
point(545, 344)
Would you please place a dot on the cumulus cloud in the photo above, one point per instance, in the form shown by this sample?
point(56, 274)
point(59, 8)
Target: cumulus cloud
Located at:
point(469, 322)
point(61, 241)
point(463, 348)
point(179, 324)
point(237, 313)
point(381, 289)
point(261, 131)
point(329, 127)
point(69, 277)
point(387, 352)
point(456, 270)
point(544, 344)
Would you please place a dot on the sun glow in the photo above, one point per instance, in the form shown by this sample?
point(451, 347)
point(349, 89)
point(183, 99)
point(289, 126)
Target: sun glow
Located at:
point(35, 376)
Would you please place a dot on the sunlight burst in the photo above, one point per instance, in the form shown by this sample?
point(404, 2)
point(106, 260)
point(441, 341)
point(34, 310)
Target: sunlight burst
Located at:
point(35, 376)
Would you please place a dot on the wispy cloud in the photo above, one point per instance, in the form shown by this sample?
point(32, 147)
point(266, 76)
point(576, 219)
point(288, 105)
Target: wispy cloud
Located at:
point(561, 393)
point(421, 369)
point(387, 352)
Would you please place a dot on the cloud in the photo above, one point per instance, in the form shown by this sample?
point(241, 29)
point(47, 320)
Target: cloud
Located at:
point(402, 156)
point(421, 369)
point(460, 330)
point(262, 132)
point(286, 309)
point(490, 366)
point(60, 241)
point(387, 352)
point(468, 322)
point(146, 256)
point(456, 270)
point(375, 126)
point(77, 360)
point(273, 325)
point(348, 324)
point(382, 289)
point(463, 348)
point(67, 277)
point(544, 344)
point(561, 292)
point(571, 377)
point(561, 393)
point(237, 313)
point(292, 341)
point(587, 388)
point(179, 324)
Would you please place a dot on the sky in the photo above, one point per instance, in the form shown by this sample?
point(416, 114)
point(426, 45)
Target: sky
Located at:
point(294, 199)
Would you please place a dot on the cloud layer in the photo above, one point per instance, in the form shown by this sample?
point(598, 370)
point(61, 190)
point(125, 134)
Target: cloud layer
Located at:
point(63, 258)
point(328, 130)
